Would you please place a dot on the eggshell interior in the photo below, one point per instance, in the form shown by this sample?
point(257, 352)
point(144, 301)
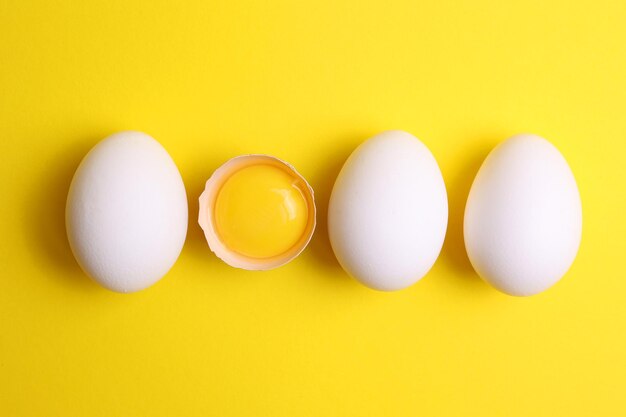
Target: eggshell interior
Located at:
point(207, 206)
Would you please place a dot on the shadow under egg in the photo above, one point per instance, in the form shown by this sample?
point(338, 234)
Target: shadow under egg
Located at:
point(196, 244)
point(322, 182)
point(453, 252)
point(44, 221)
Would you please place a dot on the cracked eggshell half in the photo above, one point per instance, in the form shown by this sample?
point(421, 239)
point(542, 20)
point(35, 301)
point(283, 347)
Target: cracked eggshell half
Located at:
point(257, 212)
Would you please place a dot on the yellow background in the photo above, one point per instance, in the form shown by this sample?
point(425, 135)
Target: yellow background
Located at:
point(307, 82)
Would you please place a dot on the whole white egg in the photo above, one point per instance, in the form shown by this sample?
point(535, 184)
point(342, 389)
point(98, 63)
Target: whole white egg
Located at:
point(523, 218)
point(126, 213)
point(388, 212)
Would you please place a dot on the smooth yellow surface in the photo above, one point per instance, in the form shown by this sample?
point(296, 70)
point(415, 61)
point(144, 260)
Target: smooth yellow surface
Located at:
point(260, 212)
point(308, 81)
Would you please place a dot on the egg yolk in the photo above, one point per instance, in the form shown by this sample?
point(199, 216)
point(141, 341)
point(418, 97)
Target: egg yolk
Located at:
point(260, 211)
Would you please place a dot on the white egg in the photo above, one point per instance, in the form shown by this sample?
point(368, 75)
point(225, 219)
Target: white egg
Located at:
point(126, 213)
point(523, 218)
point(388, 212)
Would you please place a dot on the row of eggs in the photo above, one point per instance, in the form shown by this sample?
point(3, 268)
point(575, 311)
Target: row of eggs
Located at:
point(126, 213)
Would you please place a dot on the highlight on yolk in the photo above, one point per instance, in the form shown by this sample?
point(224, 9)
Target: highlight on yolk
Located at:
point(260, 211)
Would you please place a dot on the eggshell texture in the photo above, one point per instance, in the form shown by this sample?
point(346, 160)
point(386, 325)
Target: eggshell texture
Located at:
point(126, 213)
point(388, 212)
point(523, 218)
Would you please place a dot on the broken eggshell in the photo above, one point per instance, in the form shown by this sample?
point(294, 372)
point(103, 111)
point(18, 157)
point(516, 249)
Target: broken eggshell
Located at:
point(206, 215)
